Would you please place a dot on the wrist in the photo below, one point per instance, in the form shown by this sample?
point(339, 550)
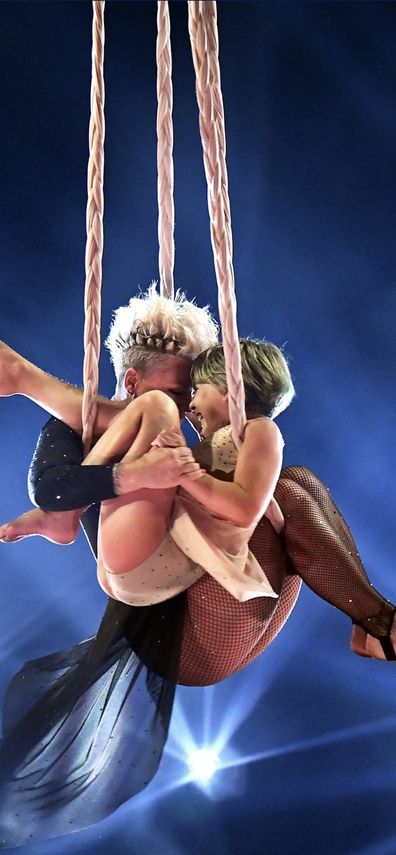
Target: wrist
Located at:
point(127, 477)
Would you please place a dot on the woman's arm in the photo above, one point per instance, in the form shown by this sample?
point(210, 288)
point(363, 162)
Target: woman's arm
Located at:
point(58, 481)
point(244, 500)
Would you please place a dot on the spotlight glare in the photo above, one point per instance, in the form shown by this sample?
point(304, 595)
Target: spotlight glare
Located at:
point(203, 764)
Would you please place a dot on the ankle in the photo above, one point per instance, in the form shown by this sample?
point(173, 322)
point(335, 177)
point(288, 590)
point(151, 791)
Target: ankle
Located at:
point(24, 376)
point(65, 523)
point(382, 624)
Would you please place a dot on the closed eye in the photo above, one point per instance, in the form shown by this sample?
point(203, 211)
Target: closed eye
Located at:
point(178, 392)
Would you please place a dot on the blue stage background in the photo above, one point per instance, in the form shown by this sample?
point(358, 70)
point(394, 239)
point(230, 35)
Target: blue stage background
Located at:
point(310, 99)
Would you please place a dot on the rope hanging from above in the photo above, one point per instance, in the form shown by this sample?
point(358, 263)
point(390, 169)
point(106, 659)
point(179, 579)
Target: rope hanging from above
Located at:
point(204, 42)
point(203, 31)
point(94, 225)
point(165, 183)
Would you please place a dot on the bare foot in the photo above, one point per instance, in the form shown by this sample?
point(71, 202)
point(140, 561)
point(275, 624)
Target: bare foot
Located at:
point(358, 643)
point(11, 366)
point(57, 527)
point(374, 648)
point(368, 646)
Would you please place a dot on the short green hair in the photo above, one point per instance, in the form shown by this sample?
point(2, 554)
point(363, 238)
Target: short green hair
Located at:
point(267, 380)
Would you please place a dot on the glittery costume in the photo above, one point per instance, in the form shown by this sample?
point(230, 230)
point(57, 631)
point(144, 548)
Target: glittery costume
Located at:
point(85, 728)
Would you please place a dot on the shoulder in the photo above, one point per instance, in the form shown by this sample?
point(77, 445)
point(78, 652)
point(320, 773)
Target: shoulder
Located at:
point(263, 431)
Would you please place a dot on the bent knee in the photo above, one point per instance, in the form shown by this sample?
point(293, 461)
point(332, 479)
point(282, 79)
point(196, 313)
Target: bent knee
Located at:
point(156, 401)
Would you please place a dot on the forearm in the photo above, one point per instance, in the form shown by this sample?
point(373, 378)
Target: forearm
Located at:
point(69, 487)
point(66, 488)
point(245, 500)
point(58, 480)
point(223, 498)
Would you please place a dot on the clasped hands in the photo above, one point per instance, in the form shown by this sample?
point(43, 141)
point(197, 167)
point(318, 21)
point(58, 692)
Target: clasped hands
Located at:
point(167, 464)
point(174, 459)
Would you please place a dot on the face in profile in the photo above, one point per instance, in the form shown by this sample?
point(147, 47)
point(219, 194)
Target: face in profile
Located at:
point(210, 406)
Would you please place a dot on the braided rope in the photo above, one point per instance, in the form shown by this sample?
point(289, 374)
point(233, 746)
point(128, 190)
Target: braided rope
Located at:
point(204, 43)
point(166, 208)
point(94, 225)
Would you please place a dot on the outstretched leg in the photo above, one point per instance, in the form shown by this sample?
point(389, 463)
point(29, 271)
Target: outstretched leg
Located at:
point(18, 376)
point(323, 552)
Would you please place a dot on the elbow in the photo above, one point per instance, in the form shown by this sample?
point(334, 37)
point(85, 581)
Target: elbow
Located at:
point(42, 494)
point(252, 519)
point(246, 511)
point(34, 491)
point(247, 516)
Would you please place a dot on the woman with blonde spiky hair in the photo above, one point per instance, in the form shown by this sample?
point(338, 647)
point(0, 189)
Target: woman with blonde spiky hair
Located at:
point(152, 342)
point(151, 328)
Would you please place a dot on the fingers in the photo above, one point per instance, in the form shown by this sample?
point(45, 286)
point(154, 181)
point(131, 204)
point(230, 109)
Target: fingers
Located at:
point(191, 471)
point(192, 476)
point(171, 466)
point(188, 468)
point(182, 454)
point(170, 437)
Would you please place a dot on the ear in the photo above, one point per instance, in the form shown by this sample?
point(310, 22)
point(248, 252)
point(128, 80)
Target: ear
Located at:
point(131, 380)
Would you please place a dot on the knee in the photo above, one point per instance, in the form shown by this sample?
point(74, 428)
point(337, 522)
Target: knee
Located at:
point(157, 403)
point(290, 495)
point(44, 491)
point(303, 477)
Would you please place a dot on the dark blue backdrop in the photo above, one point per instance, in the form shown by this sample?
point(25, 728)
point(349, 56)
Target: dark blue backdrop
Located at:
point(310, 97)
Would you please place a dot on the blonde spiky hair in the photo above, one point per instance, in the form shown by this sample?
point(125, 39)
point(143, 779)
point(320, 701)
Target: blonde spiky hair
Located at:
point(155, 325)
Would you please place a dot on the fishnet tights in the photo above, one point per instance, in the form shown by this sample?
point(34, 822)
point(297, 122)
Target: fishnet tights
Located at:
point(323, 552)
point(221, 635)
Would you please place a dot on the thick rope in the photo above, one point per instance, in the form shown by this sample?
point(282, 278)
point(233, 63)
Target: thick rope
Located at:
point(94, 220)
point(204, 43)
point(166, 209)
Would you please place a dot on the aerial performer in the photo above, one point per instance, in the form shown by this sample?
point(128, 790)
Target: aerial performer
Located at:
point(170, 619)
point(176, 533)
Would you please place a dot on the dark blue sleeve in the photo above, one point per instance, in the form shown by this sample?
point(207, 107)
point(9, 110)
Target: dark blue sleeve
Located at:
point(56, 479)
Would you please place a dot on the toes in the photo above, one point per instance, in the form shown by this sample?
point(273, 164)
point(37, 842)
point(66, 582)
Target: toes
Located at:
point(11, 532)
point(7, 535)
point(4, 532)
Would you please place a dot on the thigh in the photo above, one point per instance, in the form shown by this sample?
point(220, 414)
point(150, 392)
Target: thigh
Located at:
point(220, 634)
point(131, 527)
point(132, 431)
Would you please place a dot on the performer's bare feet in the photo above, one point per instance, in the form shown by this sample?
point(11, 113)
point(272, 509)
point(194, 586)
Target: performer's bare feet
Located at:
point(11, 365)
point(57, 527)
